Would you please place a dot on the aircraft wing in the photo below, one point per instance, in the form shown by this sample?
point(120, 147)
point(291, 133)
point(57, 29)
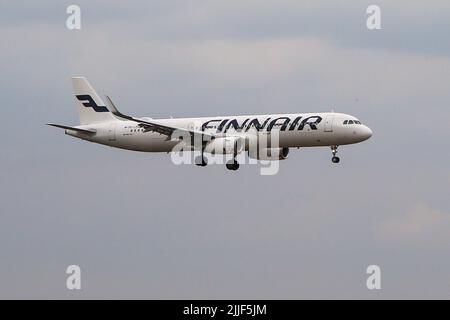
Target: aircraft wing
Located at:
point(158, 127)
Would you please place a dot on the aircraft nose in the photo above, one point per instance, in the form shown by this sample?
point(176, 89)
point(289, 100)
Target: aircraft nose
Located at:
point(366, 133)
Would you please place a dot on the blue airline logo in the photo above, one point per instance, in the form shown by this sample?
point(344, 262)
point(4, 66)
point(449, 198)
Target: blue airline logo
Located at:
point(90, 103)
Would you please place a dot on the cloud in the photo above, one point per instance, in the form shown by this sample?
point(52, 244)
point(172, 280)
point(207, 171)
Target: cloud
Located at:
point(419, 225)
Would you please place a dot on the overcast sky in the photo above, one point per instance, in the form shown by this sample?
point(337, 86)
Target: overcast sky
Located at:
point(142, 227)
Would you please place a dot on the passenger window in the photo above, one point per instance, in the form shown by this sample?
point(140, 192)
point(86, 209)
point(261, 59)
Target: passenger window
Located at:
point(345, 122)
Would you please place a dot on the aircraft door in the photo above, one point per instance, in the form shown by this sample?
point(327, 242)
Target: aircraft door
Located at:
point(112, 132)
point(329, 123)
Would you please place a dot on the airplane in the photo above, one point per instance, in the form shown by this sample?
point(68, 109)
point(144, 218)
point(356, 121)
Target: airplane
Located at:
point(226, 135)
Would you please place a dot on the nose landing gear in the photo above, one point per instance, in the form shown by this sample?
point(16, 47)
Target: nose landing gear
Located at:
point(334, 159)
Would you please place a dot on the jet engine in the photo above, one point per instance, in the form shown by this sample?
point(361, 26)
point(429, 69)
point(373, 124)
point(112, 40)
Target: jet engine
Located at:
point(271, 154)
point(225, 145)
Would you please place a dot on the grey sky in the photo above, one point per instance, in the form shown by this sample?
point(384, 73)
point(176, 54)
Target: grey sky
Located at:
point(141, 227)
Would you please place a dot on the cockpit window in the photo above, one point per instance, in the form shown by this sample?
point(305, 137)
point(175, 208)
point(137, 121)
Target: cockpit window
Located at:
point(352, 122)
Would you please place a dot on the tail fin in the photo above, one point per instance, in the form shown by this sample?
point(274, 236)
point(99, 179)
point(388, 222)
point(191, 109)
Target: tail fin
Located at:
point(91, 107)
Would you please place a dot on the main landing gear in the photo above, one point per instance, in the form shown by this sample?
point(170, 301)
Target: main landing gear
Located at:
point(232, 165)
point(334, 159)
point(201, 161)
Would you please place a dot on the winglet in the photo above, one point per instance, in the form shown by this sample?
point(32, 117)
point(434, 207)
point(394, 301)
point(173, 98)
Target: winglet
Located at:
point(114, 110)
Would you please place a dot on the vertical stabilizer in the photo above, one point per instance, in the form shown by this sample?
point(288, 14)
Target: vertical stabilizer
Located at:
point(91, 107)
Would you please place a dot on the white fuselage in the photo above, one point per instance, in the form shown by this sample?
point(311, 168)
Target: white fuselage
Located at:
point(295, 130)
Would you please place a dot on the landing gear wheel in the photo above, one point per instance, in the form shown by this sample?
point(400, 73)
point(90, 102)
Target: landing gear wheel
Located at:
point(232, 165)
point(335, 159)
point(201, 161)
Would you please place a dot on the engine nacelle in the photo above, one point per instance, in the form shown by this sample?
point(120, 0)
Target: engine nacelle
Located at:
point(225, 145)
point(271, 154)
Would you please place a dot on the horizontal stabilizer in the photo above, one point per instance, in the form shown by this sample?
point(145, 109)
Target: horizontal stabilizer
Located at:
point(88, 131)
